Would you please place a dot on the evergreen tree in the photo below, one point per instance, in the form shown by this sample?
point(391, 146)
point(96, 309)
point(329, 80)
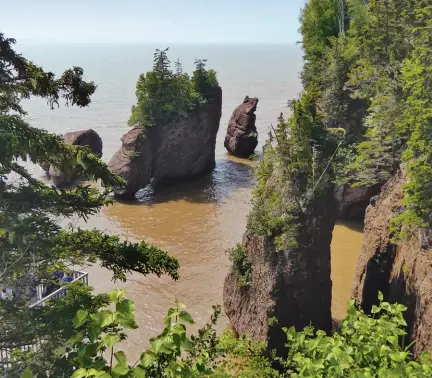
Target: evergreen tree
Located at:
point(32, 244)
point(164, 95)
point(319, 22)
point(375, 78)
point(417, 117)
point(204, 81)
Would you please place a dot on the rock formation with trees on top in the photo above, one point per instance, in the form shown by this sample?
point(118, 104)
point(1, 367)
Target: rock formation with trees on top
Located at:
point(366, 90)
point(176, 121)
point(287, 243)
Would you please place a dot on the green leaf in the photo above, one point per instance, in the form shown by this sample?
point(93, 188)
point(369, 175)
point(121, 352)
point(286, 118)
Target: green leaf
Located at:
point(148, 358)
point(79, 318)
point(80, 373)
point(126, 307)
point(100, 364)
point(139, 372)
point(120, 357)
point(162, 346)
point(94, 332)
point(115, 295)
point(187, 344)
point(183, 315)
point(171, 313)
point(110, 339)
point(76, 338)
point(380, 296)
point(393, 340)
point(127, 322)
point(103, 318)
point(26, 374)
point(120, 370)
point(103, 374)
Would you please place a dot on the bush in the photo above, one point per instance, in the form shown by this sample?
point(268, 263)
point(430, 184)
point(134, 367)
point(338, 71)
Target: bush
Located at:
point(364, 347)
point(241, 264)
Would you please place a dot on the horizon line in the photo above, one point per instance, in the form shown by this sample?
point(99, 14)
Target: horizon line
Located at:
point(40, 41)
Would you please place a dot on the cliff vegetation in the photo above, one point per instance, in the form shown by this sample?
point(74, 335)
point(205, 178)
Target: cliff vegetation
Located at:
point(365, 110)
point(164, 95)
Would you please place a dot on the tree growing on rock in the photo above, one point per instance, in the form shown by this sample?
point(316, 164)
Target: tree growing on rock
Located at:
point(164, 95)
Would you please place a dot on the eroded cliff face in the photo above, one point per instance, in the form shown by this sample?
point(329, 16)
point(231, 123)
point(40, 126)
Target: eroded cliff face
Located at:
point(177, 150)
point(292, 286)
point(402, 272)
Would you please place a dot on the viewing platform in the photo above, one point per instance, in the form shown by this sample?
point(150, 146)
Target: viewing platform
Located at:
point(7, 347)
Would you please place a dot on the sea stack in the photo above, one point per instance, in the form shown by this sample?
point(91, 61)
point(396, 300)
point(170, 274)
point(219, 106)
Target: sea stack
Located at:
point(242, 137)
point(177, 150)
point(62, 176)
point(292, 284)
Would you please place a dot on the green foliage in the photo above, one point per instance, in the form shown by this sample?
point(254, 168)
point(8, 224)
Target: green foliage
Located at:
point(395, 75)
point(293, 172)
point(204, 81)
point(372, 78)
point(20, 78)
point(98, 333)
point(363, 347)
point(32, 243)
point(318, 25)
point(242, 266)
point(417, 118)
point(164, 95)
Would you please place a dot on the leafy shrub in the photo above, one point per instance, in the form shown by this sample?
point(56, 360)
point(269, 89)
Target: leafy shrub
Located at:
point(241, 264)
point(363, 347)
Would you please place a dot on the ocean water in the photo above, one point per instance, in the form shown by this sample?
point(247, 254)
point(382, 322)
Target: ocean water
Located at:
point(196, 221)
point(269, 72)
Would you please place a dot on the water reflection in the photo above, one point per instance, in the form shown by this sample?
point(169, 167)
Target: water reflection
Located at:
point(228, 176)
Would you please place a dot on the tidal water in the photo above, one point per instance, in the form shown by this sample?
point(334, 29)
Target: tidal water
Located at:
point(196, 221)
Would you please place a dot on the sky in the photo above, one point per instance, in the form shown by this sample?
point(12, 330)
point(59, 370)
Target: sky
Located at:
point(152, 21)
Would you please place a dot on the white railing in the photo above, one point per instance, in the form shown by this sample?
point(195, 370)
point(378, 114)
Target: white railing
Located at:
point(60, 292)
point(6, 348)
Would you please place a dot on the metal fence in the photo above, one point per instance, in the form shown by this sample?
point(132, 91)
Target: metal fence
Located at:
point(6, 348)
point(60, 292)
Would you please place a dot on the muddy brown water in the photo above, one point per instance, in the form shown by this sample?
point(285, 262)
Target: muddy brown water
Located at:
point(197, 222)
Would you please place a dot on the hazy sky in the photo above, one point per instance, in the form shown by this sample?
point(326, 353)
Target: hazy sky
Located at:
point(183, 21)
